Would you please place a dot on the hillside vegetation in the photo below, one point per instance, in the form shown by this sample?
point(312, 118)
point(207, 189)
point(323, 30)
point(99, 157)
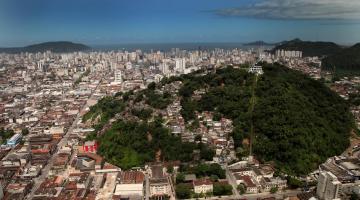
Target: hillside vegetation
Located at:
point(346, 60)
point(342, 60)
point(130, 142)
point(310, 48)
point(298, 122)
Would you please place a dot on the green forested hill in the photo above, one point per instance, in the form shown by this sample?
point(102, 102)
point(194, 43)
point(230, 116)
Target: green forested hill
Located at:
point(346, 60)
point(310, 48)
point(298, 122)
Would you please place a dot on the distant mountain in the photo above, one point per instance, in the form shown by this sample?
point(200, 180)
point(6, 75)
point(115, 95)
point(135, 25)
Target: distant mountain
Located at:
point(310, 48)
point(346, 60)
point(56, 47)
point(258, 43)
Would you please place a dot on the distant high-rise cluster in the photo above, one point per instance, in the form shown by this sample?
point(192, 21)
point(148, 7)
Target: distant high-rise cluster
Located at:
point(288, 54)
point(45, 95)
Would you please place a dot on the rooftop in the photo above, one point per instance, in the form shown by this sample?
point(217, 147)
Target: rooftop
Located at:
point(131, 177)
point(203, 181)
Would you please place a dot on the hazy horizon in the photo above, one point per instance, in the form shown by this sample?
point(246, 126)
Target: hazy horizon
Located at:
point(117, 45)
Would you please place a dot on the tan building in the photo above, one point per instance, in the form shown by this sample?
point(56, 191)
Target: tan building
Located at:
point(246, 180)
point(202, 186)
point(159, 182)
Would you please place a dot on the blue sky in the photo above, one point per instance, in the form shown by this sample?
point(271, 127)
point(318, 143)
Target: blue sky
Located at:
point(24, 22)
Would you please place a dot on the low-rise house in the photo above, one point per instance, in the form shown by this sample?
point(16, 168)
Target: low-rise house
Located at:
point(130, 185)
point(204, 186)
point(88, 162)
point(159, 182)
point(251, 187)
point(60, 163)
point(50, 188)
point(31, 172)
point(89, 147)
point(268, 183)
point(16, 191)
point(57, 131)
point(82, 180)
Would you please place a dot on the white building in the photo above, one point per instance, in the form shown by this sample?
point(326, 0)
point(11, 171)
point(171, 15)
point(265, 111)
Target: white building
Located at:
point(118, 76)
point(180, 64)
point(158, 77)
point(256, 69)
point(56, 130)
point(160, 187)
point(288, 54)
point(202, 186)
point(247, 181)
point(164, 68)
point(159, 182)
point(129, 190)
point(14, 140)
point(328, 186)
point(129, 65)
point(268, 183)
point(131, 184)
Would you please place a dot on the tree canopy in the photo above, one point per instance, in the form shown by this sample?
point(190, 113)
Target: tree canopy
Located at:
point(296, 119)
point(128, 144)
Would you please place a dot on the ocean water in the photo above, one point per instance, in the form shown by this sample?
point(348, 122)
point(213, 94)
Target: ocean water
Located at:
point(168, 46)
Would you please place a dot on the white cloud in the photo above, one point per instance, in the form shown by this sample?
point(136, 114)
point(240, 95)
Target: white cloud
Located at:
point(297, 9)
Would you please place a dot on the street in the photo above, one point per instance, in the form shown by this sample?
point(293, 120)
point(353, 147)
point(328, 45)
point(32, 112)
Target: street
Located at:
point(62, 142)
point(147, 186)
point(279, 195)
point(232, 181)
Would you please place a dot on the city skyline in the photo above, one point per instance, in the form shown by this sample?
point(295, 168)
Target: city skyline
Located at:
point(159, 21)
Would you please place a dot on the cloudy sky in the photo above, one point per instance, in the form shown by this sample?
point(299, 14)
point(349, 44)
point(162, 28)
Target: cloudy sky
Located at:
point(24, 22)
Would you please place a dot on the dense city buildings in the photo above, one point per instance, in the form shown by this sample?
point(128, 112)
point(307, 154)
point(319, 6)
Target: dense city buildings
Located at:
point(45, 153)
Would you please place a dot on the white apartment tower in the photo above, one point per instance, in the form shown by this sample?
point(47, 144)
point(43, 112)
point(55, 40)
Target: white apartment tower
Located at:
point(164, 67)
point(118, 76)
point(180, 64)
point(40, 65)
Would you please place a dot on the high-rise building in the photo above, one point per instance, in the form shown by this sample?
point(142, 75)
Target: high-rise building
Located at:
point(164, 67)
point(41, 65)
point(180, 64)
point(193, 57)
point(118, 76)
point(129, 65)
